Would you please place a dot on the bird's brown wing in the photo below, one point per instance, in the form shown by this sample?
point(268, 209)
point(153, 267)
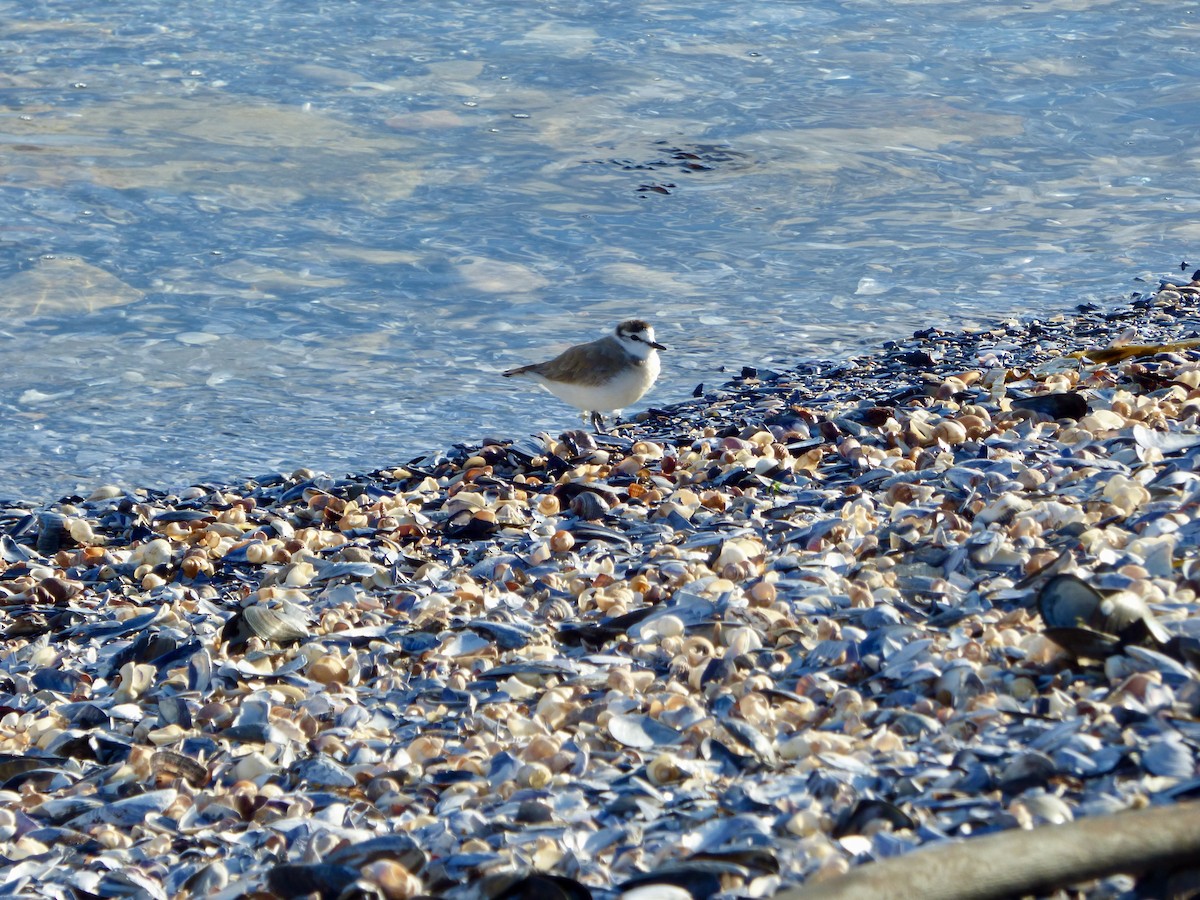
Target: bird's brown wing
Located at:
point(587, 364)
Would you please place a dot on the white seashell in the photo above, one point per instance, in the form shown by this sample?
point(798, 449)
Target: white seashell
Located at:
point(957, 685)
point(1126, 494)
point(1170, 757)
point(1041, 809)
point(555, 705)
point(1101, 420)
point(739, 641)
point(662, 627)
point(81, 531)
point(299, 574)
point(642, 732)
point(1157, 553)
point(1055, 514)
point(129, 811)
point(1003, 508)
point(136, 679)
point(731, 554)
point(253, 766)
point(152, 553)
point(1166, 443)
point(534, 775)
point(664, 769)
point(656, 892)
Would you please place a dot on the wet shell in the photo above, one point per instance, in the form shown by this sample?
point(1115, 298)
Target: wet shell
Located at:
point(292, 880)
point(1064, 405)
point(127, 812)
point(1091, 624)
point(589, 505)
point(170, 765)
point(641, 732)
point(281, 626)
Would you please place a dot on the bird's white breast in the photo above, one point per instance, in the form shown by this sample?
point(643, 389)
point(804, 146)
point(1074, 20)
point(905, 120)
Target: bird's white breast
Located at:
point(616, 393)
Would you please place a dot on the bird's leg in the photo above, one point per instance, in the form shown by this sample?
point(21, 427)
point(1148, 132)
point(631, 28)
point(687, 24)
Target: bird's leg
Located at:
point(598, 422)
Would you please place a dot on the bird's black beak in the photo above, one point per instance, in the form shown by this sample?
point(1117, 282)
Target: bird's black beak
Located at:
point(656, 345)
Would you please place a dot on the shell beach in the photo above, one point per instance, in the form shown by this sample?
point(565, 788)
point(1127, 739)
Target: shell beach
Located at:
point(810, 623)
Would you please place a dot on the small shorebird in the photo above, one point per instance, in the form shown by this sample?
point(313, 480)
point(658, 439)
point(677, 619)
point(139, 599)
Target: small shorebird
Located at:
point(604, 375)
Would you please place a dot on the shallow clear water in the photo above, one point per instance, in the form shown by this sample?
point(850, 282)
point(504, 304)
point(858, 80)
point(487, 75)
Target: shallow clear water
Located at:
point(241, 237)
